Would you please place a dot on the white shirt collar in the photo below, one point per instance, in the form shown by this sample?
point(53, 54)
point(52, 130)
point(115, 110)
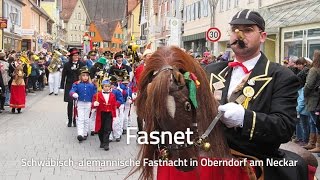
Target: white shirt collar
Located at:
point(249, 64)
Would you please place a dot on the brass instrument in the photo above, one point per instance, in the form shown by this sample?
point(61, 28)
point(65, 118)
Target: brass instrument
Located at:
point(55, 62)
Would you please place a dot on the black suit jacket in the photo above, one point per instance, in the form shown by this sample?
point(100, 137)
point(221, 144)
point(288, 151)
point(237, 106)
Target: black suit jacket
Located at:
point(68, 77)
point(270, 117)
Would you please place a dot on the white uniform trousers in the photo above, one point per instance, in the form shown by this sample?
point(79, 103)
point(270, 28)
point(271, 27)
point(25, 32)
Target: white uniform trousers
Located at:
point(117, 124)
point(93, 120)
point(54, 82)
point(83, 120)
point(126, 117)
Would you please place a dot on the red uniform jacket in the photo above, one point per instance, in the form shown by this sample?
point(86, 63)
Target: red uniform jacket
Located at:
point(137, 74)
point(111, 106)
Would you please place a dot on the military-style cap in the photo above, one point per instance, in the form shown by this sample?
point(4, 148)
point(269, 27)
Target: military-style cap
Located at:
point(92, 53)
point(84, 69)
point(247, 16)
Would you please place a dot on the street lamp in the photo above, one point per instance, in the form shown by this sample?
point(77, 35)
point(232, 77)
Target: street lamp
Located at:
point(13, 18)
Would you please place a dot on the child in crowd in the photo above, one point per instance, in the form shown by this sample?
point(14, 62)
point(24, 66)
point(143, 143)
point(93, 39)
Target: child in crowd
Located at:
point(83, 90)
point(106, 104)
point(125, 109)
point(118, 123)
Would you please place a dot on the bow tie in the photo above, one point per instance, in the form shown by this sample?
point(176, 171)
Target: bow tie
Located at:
point(105, 92)
point(235, 64)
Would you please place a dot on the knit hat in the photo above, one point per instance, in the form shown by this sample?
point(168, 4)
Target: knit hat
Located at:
point(247, 16)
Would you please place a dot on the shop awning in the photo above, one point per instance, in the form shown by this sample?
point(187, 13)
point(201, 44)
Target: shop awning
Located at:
point(291, 14)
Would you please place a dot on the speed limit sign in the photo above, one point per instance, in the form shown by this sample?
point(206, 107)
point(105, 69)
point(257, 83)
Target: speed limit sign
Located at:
point(213, 34)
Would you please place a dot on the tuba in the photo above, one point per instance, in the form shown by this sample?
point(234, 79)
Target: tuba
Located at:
point(55, 62)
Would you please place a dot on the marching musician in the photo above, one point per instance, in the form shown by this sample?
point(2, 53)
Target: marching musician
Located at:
point(117, 123)
point(92, 55)
point(54, 73)
point(83, 91)
point(119, 65)
point(106, 105)
point(70, 74)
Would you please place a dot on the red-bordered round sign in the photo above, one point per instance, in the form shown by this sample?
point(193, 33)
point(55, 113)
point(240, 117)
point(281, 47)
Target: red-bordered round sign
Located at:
point(213, 34)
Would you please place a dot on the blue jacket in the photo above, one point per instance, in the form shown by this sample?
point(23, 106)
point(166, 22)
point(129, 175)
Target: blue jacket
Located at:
point(89, 63)
point(118, 95)
point(301, 107)
point(84, 90)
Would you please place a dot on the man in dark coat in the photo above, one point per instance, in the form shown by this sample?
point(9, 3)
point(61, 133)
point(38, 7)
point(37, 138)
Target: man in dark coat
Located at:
point(258, 99)
point(70, 74)
point(119, 66)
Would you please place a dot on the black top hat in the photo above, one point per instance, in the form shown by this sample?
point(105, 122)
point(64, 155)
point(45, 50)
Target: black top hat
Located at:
point(247, 16)
point(118, 54)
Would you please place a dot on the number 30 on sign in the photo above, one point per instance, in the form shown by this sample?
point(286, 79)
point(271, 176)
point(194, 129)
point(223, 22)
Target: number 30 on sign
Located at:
point(213, 34)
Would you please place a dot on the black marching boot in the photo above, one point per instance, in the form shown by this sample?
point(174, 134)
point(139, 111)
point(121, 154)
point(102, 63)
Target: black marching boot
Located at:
point(19, 110)
point(74, 123)
point(106, 141)
point(69, 123)
point(13, 110)
point(101, 140)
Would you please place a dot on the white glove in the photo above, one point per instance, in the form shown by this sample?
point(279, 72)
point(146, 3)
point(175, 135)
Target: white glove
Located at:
point(59, 66)
point(96, 103)
point(233, 114)
point(129, 101)
point(75, 95)
point(134, 95)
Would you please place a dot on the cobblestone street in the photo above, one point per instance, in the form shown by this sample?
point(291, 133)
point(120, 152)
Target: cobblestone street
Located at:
point(40, 133)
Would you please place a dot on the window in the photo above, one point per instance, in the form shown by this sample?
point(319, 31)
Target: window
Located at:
point(314, 32)
point(189, 13)
point(184, 12)
point(92, 34)
point(250, 1)
point(228, 4)
point(287, 35)
point(105, 44)
point(79, 16)
point(192, 12)
point(196, 8)
point(221, 5)
point(205, 8)
point(199, 10)
point(5, 12)
point(114, 45)
point(71, 37)
point(236, 3)
point(301, 43)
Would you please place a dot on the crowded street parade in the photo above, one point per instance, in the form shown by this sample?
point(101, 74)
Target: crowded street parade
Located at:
point(159, 89)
